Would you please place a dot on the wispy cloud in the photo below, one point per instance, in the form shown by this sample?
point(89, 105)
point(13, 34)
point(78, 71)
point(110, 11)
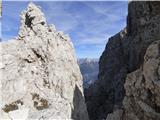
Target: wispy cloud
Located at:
point(57, 13)
point(98, 39)
point(89, 24)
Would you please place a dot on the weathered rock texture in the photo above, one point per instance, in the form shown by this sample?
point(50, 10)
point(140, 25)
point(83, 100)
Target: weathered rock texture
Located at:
point(123, 60)
point(40, 75)
point(142, 99)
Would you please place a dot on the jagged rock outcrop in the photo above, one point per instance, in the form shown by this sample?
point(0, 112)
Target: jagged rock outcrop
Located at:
point(142, 86)
point(40, 75)
point(123, 56)
point(108, 90)
point(142, 99)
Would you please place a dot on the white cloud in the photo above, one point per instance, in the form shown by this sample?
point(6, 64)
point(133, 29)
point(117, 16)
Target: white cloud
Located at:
point(57, 14)
point(94, 27)
point(92, 40)
point(90, 25)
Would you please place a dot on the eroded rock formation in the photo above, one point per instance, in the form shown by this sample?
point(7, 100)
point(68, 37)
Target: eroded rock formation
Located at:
point(40, 75)
point(123, 62)
point(142, 98)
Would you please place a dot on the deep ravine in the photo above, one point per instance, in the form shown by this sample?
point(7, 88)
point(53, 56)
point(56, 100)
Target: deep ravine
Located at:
point(128, 80)
point(41, 78)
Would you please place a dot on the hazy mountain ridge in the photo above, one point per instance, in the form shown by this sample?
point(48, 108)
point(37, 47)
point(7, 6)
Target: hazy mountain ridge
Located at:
point(89, 68)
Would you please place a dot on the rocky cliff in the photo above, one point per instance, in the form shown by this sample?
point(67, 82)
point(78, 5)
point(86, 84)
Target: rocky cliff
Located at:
point(142, 86)
point(128, 82)
point(40, 75)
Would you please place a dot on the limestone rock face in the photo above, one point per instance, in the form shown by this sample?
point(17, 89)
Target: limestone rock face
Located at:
point(106, 91)
point(40, 75)
point(124, 54)
point(116, 115)
point(142, 100)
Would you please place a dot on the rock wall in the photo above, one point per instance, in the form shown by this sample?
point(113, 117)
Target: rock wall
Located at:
point(122, 57)
point(40, 75)
point(142, 99)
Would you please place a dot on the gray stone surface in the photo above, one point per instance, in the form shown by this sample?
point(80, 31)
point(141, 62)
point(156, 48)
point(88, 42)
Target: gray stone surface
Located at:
point(124, 54)
point(40, 77)
point(142, 99)
point(116, 115)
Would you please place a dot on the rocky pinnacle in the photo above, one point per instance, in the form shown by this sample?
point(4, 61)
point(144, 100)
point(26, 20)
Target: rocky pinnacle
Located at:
point(40, 75)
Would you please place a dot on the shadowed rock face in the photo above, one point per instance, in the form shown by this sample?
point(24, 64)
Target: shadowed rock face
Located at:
point(40, 75)
point(142, 99)
point(78, 103)
point(124, 54)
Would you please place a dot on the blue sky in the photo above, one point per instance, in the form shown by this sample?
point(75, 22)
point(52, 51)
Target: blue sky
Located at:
point(89, 24)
